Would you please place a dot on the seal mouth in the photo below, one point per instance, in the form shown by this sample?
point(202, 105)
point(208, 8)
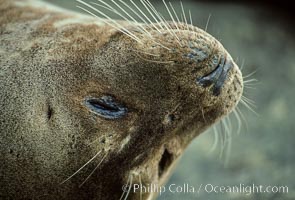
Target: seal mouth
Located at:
point(217, 77)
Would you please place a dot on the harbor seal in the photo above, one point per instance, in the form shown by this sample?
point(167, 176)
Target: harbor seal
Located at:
point(91, 104)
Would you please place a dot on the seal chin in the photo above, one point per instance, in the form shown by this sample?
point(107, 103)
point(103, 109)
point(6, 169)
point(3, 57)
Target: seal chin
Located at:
point(217, 77)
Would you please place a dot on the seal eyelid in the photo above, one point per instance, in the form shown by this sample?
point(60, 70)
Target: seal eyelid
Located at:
point(106, 107)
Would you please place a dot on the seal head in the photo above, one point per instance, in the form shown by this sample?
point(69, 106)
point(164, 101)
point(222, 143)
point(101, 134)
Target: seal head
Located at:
point(86, 109)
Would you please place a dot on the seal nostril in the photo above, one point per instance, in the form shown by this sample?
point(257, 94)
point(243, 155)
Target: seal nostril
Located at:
point(205, 82)
point(213, 76)
point(217, 77)
point(165, 162)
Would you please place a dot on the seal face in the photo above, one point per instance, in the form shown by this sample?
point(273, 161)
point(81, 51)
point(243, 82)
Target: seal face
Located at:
point(89, 105)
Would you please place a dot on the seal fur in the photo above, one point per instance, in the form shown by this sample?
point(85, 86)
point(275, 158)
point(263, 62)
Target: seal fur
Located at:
point(53, 61)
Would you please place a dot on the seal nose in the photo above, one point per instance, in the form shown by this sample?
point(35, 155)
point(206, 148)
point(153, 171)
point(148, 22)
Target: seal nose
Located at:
point(217, 77)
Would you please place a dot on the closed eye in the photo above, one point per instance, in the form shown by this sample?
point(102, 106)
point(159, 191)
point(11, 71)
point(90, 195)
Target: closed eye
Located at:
point(106, 107)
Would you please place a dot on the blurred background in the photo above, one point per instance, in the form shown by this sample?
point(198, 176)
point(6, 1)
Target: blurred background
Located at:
point(260, 37)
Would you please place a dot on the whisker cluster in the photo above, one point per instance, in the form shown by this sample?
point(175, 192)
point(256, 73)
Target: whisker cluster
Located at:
point(93, 171)
point(223, 131)
point(142, 16)
point(129, 184)
point(89, 161)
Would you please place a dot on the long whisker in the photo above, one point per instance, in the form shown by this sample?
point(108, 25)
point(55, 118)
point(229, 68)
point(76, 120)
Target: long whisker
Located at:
point(249, 101)
point(184, 15)
point(140, 183)
point(143, 14)
point(89, 161)
point(124, 191)
point(222, 138)
point(208, 21)
point(227, 141)
point(249, 107)
point(175, 14)
point(129, 183)
point(140, 27)
point(150, 12)
point(249, 87)
point(203, 115)
point(114, 24)
point(148, 33)
point(173, 20)
point(239, 121)
point(134, 11)
point(162, 19)
point(250, 74)
point(250, 81)
point(243, 118)
point(170, 14)
point(154, 12)
point(242, 65)
point(93, 171)
point(191, 18)
point(129, 189)
point(216, 139)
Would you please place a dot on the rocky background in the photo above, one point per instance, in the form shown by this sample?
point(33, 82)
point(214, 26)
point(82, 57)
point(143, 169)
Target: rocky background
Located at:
point(260, 36)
